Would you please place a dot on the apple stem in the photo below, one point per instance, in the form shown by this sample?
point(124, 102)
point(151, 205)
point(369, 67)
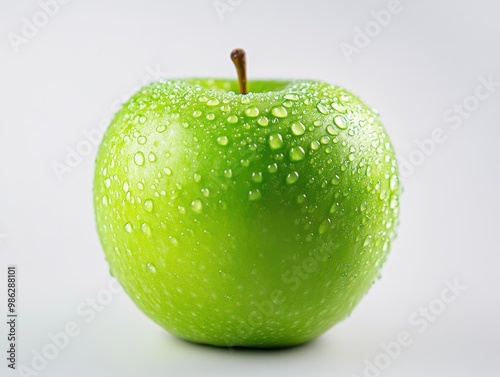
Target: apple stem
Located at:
point(238, 58)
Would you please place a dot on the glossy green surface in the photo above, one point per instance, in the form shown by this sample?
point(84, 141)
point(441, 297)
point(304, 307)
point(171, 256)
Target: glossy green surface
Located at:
point(252, 220)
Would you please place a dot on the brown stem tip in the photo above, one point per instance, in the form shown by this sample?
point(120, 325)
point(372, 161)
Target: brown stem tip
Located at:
point(238, 58)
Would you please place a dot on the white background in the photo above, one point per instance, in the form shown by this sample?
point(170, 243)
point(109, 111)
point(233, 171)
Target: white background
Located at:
point(91, 54)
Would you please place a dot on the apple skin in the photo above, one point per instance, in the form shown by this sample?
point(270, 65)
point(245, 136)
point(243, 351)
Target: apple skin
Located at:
point(255, 220)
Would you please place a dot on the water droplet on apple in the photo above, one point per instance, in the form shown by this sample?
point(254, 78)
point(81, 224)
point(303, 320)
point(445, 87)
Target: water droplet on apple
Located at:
point(292, 97)
point(291, 178)
point(205, 192)
point(394, 202)
point(167, 171)
point(196, 113)
point(232, 119)
point(142, 119)
point(279, 112)
point(368, 241)
point(275, 141)
point(222, 140)
point(196, 205)
point(335, 180)
point(228, 173)
point(324, 226)
point(263, 121)
point(334, 207)
point(148, 205)
point(146, 229)
point(151, 157)
point(331, 130)
point(324, 139)
point(161, 128)
point(338, 107)
point(298, 128)
point(104, 200)
point(139, 159)
point(383, 195)
point(340, 122)
point(128, 227)
point(213, 102)
point(252, 112)
point(297, 153)
point(322, 109)
point(151, 268)
point(272, 168)
point(315, 145)
point(196, 177)
point(107, 182)
point(257, 177)
point(142, 140)
point(254, 195)
point(393, 183)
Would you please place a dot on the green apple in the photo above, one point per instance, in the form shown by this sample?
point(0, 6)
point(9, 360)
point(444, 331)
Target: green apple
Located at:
point(256, 219)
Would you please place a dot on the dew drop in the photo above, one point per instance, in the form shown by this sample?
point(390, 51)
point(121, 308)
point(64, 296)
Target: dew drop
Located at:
point(252, 112)
point(340, 122)
point(222, 140)
point(148, 205)
point(368, 241)
point(292, 97)
point(338, 107)
point(272, 168)
point(142, 140)
point(324, 226)
point(257, 177)
point(298, 128)
point(394, 201)
point(151, 157)
point(254, 195)
point(322, 109)
point(167, 171)
point(213, 102)
point(125, 186)
point(275, 141)
point(335, 180)
point(263, 121)
point(196, 177)
point(139, 159)
point(331, 130)
point(107, 182)
point(232, 119)
point(228, 173)
point(315, 145)
point(161, 128)
point(146, 229)
point(297, 153)
point(151, 268)
point(279, 112)
point(196, 205)
point(196, 113)
point(291, 178)
point(205, 192)
point(128, 227)
point(393, 183)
